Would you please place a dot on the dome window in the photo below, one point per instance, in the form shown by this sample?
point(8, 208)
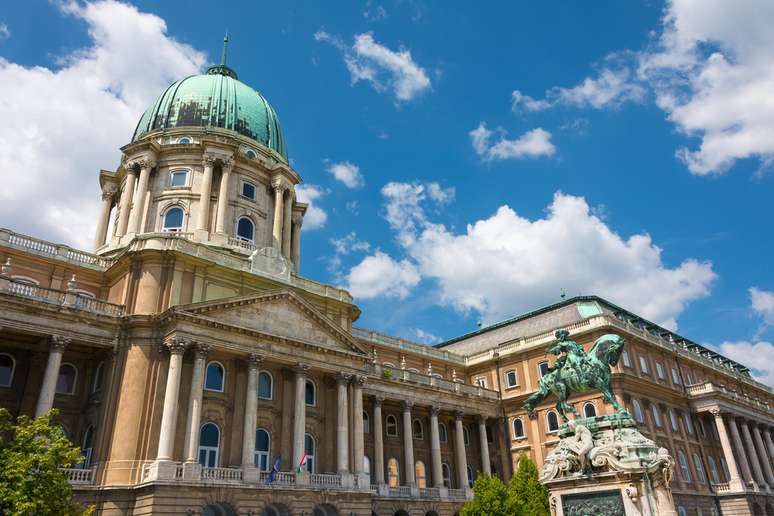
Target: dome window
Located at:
point(251, 154)
point(178, 178)
point(173, 219)
point(184, 140)
point(245, 230)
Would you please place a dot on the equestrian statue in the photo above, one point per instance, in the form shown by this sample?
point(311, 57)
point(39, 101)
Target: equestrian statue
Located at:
point(578, 371)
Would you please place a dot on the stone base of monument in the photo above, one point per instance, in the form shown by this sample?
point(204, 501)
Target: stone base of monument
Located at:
point(604, 466)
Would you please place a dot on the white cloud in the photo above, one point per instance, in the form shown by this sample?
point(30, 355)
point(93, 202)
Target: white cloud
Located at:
point(315, 216)
point(763, 351)
point(5, 32)
point(439, 194)
point(347, 173)
point(374, 12)
point(532, 144)
point(762, 303)
point(424, 337)
point(519, 100)
point(386, 70)
point(62, 125)
point(506, 264)
point(380, 275)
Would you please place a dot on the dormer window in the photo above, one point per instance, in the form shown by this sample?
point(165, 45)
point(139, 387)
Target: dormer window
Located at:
point(184, 140)
point(178, 178)
point(251, 154)
point(248, 190)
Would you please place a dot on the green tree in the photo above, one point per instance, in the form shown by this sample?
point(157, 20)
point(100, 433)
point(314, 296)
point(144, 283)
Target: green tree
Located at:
point(489, 498)
point(31, 453)
point(526, 495)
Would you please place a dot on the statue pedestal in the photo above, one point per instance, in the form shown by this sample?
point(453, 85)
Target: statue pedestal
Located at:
point(605, 466)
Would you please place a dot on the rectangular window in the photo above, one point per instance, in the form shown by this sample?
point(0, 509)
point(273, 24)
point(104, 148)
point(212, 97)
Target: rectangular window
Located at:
point(644, 365)
point(625, 357)
point(510, 379)
point(178, 178)
point(543, 369)
point(676, 376)
point(481, 382)
point(660, 371)
point(248, 190)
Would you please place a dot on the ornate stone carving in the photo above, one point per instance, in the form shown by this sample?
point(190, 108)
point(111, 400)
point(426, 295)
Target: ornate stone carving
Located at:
point(201, 350)
point(301, 369)
point(359, 380)
point(5, 270)
point(58, 343)
point(458, 415)
point(297, 220)
point(254, 360)
point(177, 345)
point(407, 405)
point(209, 159)
point(435, 410)
point(378, 400)
point(343, 378)
point(109, 191)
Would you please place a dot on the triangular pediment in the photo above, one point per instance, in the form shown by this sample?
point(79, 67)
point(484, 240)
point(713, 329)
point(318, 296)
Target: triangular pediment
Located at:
point(279, 313)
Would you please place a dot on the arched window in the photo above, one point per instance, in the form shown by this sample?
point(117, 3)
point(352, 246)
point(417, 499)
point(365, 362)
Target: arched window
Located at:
point(262, 449)
point(470, 476)
point(466, 436)
point(713, 469)
point(68, 377)
point(388, 365)
point(688, 423)
point(250, 153)
point(417, 429)
point(366, 423)
point(443, 435)
point(96, 382)
point(265, 385)
point(446, 473)
point(310, 447)
point(542, 369)
point(87, 446)
point(589, 409)
point(392, 426)
point(699, 467)
point(552, 421)
point(420, 476)
point(173, 219)
point(518, 428)
point(638, 415)
point(685, 471)
point(209, 443)
point(726, 474)
point(245, 230)
point(7, 368)
point(393, 478)
point(656, 415)
point(214, 377)
point(673, 421)
point(184, 140)
point(310, 393)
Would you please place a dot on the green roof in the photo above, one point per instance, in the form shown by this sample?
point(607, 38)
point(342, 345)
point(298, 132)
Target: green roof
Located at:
point(215, 99)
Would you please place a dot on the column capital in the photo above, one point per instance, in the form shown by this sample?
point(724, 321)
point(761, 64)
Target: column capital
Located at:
point(209, 159)
point(716, 413)
point(109, 191)
point(343, 378)
point(458, 414)
point(481, 419)
point(378, 400)
point(359, 380)
point(226, 164)
point(58, 342)
point(254, 361)
point(201, 349)
point(280, 184)
point(297, 219)
point(177, 345)
point(435, 410)
point(407, 405)
point(301, 369)
point(140, 163)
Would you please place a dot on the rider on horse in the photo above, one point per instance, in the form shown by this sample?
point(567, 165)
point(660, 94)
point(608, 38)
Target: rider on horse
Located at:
point(574, 352)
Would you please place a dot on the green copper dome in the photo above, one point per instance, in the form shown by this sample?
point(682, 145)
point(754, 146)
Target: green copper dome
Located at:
point(216, 99)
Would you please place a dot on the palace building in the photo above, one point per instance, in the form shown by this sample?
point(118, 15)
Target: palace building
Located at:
point(201, 373)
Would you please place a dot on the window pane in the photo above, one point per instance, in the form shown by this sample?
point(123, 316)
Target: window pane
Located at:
point(511, 378)
point(442, 433)
point(245, 229)
point(214, 378)
point(209, 435)
point(6, 370)
point(173, 220)
point(178, 178)
point(264, 386)
point(543, 367)
point(310, 393)
point(248, 190)
point(65, 383)
point(262, 440)
point(589, 410)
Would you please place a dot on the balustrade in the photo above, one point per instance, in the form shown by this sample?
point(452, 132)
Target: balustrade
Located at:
point(222, 474)
point(79, 476)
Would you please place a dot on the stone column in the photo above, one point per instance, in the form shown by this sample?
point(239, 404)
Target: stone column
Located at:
point(762, 455)
point(195, 404)
point(295, 244)
point(769, 442)
point(753, 456)
point(408, 445)
point(126, 199)
point(435, 448)
point(249, 469)
point(138, 210)
point(57, 346)
point(737, 440)
point(485, 465)
point(279, 192)
point(203, 222)
point(462, 458)
point(287, 222)
point(166, 448)
point(299, 414)
point(225, 177)
point(357, 425)
point(342, 425)
point(104, 216)
point(376, 428)
point(735, 482)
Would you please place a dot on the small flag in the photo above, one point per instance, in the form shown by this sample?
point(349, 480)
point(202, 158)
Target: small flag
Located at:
point(274, 470)
point(302, 463)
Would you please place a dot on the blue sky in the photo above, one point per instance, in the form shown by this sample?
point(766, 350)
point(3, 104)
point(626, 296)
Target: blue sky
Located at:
point(614, 148)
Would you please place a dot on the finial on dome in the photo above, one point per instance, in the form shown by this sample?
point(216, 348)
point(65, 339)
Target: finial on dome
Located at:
point(225, 50)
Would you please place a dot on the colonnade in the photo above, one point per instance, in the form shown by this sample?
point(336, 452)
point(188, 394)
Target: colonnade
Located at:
point(286, 229)
point(748, 450)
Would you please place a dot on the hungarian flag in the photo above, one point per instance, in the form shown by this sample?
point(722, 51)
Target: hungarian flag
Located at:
point(274, 470)
point(302, 464)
